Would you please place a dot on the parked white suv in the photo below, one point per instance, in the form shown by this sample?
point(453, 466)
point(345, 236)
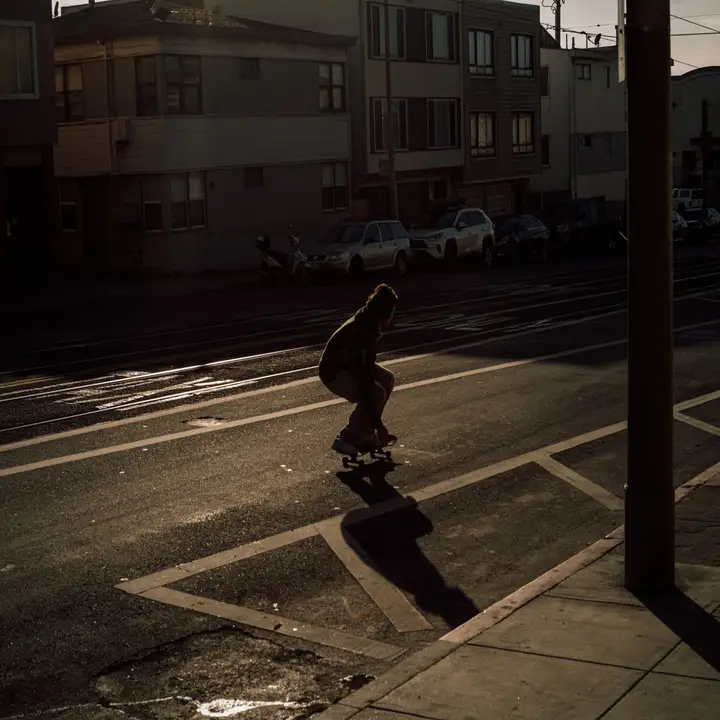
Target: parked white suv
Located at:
point(452, 232)
point(687, 199)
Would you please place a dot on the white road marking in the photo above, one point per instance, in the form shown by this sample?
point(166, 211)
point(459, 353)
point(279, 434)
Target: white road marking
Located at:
point(698, 424)
point(387, 597)
point(275, 623)
point(578, 481)
point(392, 602)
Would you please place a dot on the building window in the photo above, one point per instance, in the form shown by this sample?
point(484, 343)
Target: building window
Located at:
point(545, 151)
point(152, 201)
point(482, 134)
point(254, 177)
point(182, 77)
point(18, 64)
point(400, 122)
point(442, 124)
point(523, 133)
point(583, 71)
point(522, 56)
point(69, 93)
point(249, 68)
point(332, 87)
point(440, 36)
point(377, 32)
point(187, 201)
point(545, 81)
point(146, 91)
point(334, 187)
point(481, 48)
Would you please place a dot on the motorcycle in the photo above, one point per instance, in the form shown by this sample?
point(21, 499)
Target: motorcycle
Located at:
point(277, 266)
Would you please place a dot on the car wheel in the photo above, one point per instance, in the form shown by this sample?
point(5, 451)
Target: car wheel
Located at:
point(400, 264)
point(357, 267)
point(451, 254)
point(487, 254)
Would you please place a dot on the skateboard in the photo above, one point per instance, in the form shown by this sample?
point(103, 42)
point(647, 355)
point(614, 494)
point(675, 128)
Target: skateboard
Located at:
point(375, 453)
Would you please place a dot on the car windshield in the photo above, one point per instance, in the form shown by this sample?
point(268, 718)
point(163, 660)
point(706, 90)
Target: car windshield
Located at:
point(694, 214)
point(345, 233)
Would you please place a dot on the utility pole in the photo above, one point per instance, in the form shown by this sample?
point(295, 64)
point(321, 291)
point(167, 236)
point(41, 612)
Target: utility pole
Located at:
point(558, 21)
point(390, 119)
point(650, 495)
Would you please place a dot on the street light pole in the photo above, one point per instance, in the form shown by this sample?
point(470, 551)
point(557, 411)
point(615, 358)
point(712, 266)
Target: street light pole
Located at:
point(649, 503)
point(390, 119)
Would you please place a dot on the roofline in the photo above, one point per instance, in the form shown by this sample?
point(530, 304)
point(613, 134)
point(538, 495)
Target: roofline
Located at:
point(707, 70)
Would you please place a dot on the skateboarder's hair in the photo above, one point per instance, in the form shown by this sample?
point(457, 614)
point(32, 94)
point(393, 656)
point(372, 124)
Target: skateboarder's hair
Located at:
point(381, 302)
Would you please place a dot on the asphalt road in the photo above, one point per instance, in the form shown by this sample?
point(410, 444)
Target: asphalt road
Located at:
point(207, 448)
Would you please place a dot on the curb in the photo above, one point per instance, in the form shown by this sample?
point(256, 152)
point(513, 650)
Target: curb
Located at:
point(424, 659)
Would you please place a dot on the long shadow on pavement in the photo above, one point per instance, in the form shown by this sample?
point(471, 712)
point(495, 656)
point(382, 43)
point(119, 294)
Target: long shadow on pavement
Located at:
point(694, 625)
point(389, 542)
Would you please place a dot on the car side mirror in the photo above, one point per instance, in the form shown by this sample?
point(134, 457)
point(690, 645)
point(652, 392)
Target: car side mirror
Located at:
point(461, 225)
point(369, 241)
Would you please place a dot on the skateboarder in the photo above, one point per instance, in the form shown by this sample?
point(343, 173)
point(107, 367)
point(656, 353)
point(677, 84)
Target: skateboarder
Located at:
point(349, 369)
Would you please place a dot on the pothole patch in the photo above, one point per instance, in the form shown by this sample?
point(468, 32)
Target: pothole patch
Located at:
point(205, 421)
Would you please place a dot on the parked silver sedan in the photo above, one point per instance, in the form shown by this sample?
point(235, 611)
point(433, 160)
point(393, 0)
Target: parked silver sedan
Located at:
point(357, 246)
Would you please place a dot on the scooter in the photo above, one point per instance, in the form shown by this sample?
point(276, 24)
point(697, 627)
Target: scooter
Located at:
point(277, 266)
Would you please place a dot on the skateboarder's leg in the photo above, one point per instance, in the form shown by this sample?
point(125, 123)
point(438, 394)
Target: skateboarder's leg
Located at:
point(360, 429)
point(387, 380)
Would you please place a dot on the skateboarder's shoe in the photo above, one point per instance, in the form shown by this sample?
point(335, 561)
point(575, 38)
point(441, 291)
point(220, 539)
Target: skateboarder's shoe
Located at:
point(344, 447)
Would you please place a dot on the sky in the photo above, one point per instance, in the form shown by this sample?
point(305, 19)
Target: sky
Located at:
point(600, 16)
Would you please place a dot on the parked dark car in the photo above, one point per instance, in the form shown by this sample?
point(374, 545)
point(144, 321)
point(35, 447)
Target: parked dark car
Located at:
point(522, 236)
point(581, 227)
point(702, 222)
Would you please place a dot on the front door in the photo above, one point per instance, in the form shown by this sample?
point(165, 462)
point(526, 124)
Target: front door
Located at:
point(389, 245)
point(28, 223)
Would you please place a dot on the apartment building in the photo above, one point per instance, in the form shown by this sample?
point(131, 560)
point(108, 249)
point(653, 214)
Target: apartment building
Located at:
point(584, 126)
point(184, 133)
point(27, 133)
point(502, 88)
point(465, 82)
point(696, 157)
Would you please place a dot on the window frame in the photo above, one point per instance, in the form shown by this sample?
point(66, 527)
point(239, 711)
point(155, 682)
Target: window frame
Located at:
point(181, 85)
point(518, 115)
point(331, 86)
point(378, 53)
point(67, 115)
point(140, 111)
point(144, 201)
point(452, 102)
point(580, 74)
point(516, 70)
point(452, 35)
point(66, 204)
point(188, 201)
point(378, 145)
point(473, 32)
point(473, 117)
point(35, 94)
point(336, 207)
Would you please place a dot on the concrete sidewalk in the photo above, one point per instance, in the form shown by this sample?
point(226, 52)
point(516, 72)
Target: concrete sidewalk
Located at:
point(573, 644)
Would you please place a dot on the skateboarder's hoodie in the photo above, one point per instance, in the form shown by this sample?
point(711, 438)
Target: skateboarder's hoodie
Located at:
point(349, 369)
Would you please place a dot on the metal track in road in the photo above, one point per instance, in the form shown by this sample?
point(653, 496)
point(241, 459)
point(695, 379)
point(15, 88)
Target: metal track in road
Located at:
point(318, 317)
point(313, 324)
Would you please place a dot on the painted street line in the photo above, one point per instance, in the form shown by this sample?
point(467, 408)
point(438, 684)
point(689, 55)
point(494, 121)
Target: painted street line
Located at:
point(699, 424)
point(275, 623)
point(593, 490)
point(288, 412)
point(388, 598)
point(383, 593)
